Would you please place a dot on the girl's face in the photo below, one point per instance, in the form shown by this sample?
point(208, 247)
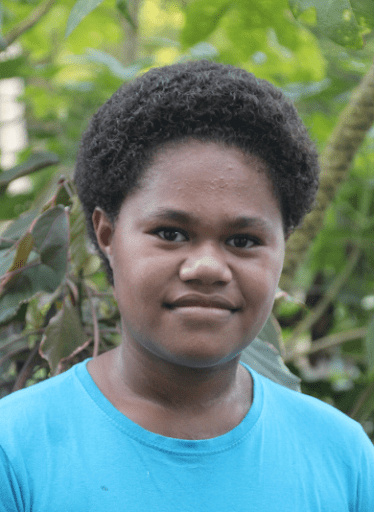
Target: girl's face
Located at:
point(196, 254)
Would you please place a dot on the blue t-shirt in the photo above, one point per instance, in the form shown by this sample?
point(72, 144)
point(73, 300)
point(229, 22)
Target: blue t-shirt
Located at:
point(65, 448)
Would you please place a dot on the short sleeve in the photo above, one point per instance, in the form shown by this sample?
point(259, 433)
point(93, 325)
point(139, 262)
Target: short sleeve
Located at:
point(365, 489)
point(10, 494)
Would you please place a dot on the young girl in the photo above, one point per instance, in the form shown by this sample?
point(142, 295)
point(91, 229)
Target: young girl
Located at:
point(191, 178)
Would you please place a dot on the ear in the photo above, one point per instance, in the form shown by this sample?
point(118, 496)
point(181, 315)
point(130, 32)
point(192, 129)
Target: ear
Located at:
point(104, 231)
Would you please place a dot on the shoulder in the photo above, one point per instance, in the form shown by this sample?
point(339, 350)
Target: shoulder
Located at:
point(324, 444)
point(308, 416)
point(38, 393)
point(39, 405)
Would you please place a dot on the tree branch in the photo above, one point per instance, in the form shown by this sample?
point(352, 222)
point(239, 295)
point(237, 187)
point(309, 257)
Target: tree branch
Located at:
point(27, 368)
point(322, 305)
point(20, 337)
point(367, 394)
point(95, 324)
point(328, 341)
point(29, 22)
point(14, 352)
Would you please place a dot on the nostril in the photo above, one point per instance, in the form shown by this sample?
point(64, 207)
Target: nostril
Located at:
point(206, 268)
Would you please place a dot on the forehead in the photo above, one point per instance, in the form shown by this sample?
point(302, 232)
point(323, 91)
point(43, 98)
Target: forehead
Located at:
point(209, 181)
point(193, 163)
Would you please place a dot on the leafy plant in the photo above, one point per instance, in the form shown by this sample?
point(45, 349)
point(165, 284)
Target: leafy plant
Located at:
point(55, 306)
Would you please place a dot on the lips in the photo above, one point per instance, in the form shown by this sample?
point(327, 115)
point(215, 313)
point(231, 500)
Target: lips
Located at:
point(202, 301)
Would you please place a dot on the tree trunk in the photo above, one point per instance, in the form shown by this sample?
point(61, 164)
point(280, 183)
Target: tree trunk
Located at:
point(353, 124)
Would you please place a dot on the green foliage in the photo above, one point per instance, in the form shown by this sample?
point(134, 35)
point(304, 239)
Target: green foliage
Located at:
point(78, 12)
point(263, 354)
point(209, 13)
point(63, 337)
point(343, 21)
point(262, 357)
point(369, 344)
point(39, 262)
point(113, 65)
point(13, 67)
point(74, 56)
point(123, 8)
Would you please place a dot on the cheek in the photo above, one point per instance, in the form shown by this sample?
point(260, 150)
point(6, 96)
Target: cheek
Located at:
point(138, 283)
point(259, 293)
point(261, 281)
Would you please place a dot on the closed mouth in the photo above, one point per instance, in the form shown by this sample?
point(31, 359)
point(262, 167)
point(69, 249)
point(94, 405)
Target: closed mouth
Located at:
point(202, 302)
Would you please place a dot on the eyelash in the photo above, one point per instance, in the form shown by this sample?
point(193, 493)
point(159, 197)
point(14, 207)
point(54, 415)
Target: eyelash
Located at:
point(254, 241)
point(171, 230)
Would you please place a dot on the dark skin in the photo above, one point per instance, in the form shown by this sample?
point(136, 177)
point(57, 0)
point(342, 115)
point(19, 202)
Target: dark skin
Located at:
point(196, 255)
point(174, 402)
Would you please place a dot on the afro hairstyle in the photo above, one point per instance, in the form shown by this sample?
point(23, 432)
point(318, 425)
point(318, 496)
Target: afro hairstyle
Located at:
point(202, 100)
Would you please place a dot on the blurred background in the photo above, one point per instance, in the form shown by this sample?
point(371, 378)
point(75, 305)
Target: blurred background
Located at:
point(61, 59)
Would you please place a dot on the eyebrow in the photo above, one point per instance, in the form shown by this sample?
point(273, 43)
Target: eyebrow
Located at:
point(184, 217)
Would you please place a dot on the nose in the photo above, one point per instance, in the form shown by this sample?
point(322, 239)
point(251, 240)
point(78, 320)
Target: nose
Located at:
point(206, 266)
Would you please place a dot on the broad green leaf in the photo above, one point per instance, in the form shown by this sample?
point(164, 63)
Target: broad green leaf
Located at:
point(81, 259)
point(125, 73)
point(5, 243)
point(336, 19)
point(11, 206)
point(44, 229)
point(297, 91)
point(23, 251)
point(369, 345)
point(46, 269)
point(6, 260)
point(265, 31)
point(62, 197)
point(364, 12)
point(265, 359)
point(22, 287)
point(78, 12)
point(63, 335)
point(202, 18)
point(10, 304)
point(203, 51)
point(19, 226)
point(35, 163)
point(51, 236)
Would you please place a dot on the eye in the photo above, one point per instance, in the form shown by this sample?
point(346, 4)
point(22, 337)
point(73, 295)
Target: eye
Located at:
point(171, 235)
point(242, 242)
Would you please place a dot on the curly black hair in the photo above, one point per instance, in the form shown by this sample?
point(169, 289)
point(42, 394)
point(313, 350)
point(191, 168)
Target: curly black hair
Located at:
point(201, 100)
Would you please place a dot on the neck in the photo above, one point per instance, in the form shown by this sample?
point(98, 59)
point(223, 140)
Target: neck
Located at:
point(172, 400)
point(175, 386)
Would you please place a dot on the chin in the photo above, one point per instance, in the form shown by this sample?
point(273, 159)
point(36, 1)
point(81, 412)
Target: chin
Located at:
point(198, 360)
